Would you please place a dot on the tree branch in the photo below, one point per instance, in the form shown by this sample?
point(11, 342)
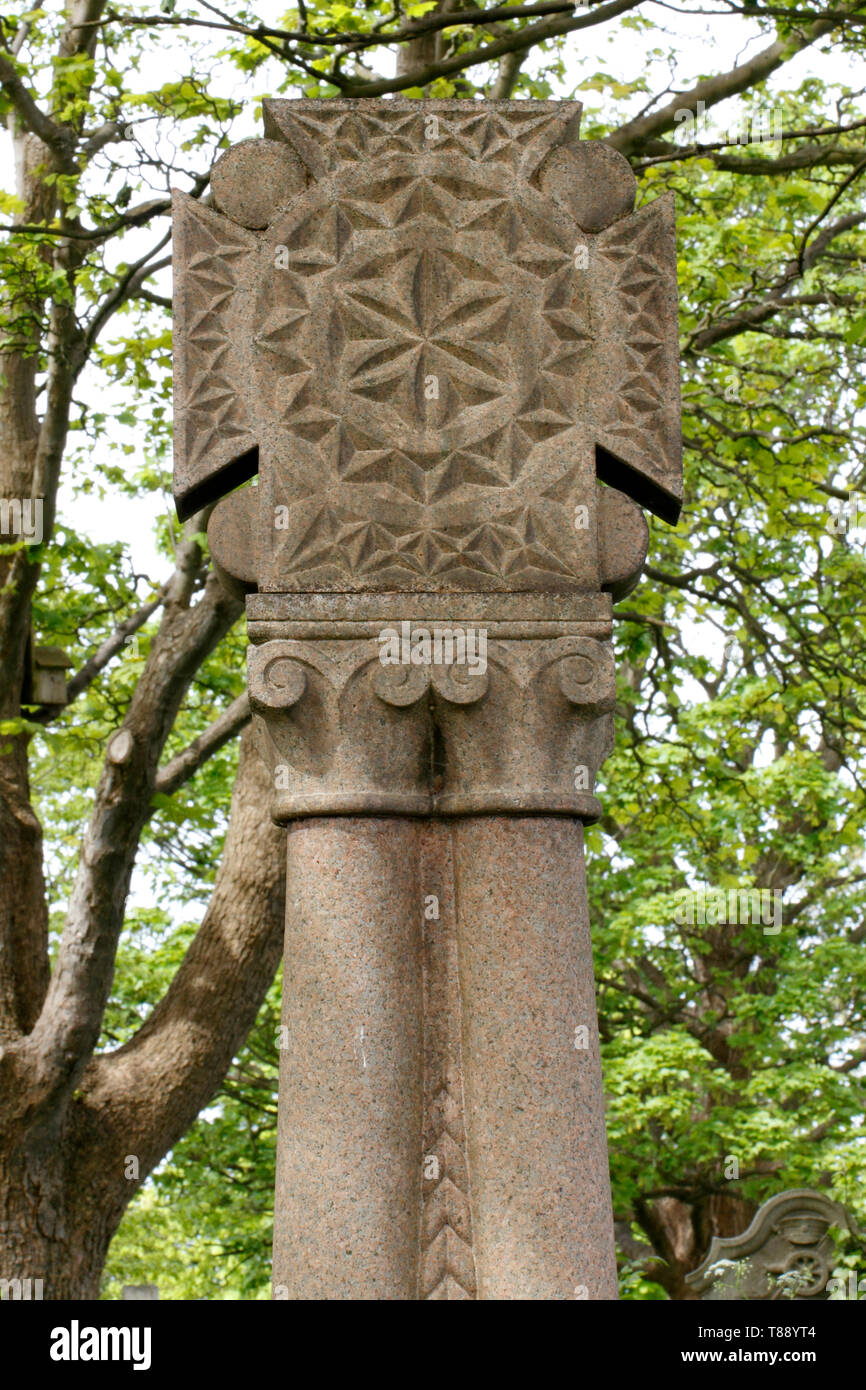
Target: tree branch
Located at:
point(774, 301)
point(636, 135)
point(520, 40)
point(60, 140)
point(803, 158)
point(127, 287)
point(186, 764)
point(329, 38)
point(509, 71)
point(63, 1039)
point(87, 674)
point(145, 1095)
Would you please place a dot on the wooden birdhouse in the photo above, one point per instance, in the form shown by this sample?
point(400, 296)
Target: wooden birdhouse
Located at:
point(45, 678)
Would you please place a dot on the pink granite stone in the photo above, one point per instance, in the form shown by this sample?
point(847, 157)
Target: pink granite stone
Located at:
point(348, 1185)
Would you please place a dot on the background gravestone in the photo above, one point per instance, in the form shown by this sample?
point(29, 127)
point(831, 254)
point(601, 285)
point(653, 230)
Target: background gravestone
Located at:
point(786, 1252)
point(448, 347)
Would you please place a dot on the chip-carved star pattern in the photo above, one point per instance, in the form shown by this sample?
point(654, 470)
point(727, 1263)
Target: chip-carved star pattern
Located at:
point(211, 412)
point(386, 290)
point(502, 137)
point(645, 364)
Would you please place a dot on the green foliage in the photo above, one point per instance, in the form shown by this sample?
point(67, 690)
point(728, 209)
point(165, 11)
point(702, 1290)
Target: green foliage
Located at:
point(202, 1227)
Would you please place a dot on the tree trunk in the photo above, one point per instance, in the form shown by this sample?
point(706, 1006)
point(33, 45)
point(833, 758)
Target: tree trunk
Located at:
point(52, 1229)
point(681, 1233)
point(69, 1169)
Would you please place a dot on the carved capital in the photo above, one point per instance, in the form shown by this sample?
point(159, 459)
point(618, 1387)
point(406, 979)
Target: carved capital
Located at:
point(521, 726)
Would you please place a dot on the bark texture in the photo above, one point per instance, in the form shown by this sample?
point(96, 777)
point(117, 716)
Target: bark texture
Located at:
point(65, 1170)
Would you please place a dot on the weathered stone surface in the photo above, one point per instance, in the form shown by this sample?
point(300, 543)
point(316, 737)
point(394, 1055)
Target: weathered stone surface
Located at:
point(534, 1105)
point(623, 538)
point(253, 180)
point(441, 1133)
point(424, 249)
point(786, 1252)
point(448, 347)
point(594, 182)
point(619, 538)
point(345, 734)
point(348, 1186)
point(233, 539)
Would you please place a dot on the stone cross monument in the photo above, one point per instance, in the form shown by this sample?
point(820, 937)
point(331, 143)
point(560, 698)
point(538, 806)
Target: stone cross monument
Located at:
point(446, 345)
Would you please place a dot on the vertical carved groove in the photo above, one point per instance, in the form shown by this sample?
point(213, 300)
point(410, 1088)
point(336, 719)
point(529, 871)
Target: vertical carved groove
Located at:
point(446, 1262)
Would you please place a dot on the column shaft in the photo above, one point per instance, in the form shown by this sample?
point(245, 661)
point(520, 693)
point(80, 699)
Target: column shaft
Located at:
point(349, 1132)
point(535, 1108)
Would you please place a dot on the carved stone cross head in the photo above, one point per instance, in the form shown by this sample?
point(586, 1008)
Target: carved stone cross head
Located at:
point(429, 327)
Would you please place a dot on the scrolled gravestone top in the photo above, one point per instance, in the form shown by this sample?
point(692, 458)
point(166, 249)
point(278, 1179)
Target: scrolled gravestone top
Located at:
point(786, 1252)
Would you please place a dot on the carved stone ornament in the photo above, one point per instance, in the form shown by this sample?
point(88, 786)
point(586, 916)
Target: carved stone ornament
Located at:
point(426, 365)
point(787, 1252)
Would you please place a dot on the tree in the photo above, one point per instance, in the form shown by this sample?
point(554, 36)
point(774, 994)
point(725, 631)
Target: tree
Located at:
point(721, 1042)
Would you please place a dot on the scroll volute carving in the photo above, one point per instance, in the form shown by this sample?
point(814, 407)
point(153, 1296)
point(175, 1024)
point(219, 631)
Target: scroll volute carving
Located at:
point(336, 748)
point(343, 732)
